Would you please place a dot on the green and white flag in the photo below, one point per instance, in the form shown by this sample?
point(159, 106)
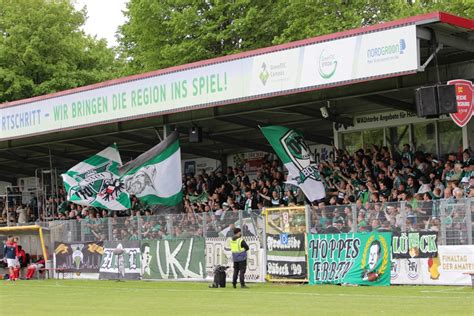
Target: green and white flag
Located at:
point(295, 154)
point(95, 182)
point(155, 176)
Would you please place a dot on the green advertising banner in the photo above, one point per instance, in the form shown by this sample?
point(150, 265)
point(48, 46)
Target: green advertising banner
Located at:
point(180, 258)
point(358, 258)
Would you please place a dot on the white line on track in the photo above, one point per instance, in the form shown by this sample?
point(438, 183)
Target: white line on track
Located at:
point(444, 291)
point(250, 291)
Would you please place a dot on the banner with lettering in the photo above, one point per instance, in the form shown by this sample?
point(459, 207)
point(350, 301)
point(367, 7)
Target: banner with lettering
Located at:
point(450, 267)
point(414, 245)
point(465, 101)
point(286, 257)
point(177, 258)
point(218, 253)
point(123, 266)
point(358, 258)
point(79, 256)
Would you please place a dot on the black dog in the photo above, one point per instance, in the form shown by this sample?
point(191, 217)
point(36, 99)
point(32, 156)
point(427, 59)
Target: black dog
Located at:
point(219, 277)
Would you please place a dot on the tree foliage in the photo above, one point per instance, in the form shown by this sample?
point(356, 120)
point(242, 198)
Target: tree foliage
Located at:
point(43, 49)
point(170, 32)
point(165, 33)
point(307, 18)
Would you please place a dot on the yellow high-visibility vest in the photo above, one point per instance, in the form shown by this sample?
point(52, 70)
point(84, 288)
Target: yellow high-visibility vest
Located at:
point(236, 245)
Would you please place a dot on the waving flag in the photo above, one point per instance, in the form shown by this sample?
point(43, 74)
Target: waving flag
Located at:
point(95, 182)
point(155, 176)
point(295, 154)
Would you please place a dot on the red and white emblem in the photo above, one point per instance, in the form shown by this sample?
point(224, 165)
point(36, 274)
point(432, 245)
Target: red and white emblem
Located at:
point(464, 92)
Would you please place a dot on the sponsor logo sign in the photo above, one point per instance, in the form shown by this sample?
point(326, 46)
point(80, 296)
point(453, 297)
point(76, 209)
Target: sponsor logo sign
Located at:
point(360, 57)
point(464, 92)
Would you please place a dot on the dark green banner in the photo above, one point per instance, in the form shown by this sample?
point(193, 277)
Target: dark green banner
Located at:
point(286, 257)
point(173, 258)
point(415, 245)
point(361, 258)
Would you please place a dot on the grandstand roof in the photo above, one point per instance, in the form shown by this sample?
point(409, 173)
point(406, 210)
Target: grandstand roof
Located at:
point(230, 126)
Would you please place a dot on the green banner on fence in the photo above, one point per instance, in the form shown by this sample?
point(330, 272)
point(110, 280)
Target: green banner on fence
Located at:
point(361, 258)
point(173, 258)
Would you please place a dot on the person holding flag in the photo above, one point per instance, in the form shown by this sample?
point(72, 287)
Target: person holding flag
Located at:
point(95, 182)
point(295, 154)
point(154, 177)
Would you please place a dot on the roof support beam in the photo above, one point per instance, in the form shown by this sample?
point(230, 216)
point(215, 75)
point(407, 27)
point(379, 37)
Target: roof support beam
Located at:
point(252, 124)
point(17, 158)
point(17, 172)
point(86, 144)
point(186, 150)
point(317, 115)
point(390, 102)
point(54, 153)
point(201, 153)
point(240, 121)
point(241, 143)
point(464, 44)
point(137, 139)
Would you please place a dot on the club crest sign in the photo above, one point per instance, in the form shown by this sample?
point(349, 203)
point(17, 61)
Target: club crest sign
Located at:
point(464, 92)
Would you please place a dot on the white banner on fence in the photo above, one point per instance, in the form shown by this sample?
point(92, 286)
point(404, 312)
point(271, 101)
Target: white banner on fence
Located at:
point(218, 253)
point(447, 269)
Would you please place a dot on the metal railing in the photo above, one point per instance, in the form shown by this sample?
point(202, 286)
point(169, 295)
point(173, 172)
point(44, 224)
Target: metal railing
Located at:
point(452, 219)
point(155, 226)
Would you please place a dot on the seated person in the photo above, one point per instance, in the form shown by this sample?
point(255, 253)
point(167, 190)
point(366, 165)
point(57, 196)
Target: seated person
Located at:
point(33, 267)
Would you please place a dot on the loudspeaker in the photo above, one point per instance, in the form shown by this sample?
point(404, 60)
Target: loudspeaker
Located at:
point(195, 135)
point(447, 99)
point(426, 103)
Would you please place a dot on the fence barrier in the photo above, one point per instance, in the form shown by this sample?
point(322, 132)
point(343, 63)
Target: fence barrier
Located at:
point(426, 242)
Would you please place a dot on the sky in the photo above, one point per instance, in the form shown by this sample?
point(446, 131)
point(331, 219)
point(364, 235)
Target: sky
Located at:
point(104, 17)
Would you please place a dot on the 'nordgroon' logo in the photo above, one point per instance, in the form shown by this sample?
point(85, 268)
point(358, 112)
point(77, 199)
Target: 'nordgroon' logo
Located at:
point(327, 64)
point(387, 52)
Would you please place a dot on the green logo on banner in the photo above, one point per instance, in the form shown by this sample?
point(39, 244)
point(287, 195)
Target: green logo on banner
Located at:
point(327, 64)
point(264, 74)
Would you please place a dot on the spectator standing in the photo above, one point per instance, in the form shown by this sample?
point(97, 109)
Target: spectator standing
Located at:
point(239, 249)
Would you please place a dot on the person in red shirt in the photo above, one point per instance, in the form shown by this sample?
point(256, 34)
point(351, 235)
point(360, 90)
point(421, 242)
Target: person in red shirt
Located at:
point(11, 254)
point(21, 262)
point(30, 272)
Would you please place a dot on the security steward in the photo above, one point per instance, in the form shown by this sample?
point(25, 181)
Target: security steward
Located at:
point(239, 249)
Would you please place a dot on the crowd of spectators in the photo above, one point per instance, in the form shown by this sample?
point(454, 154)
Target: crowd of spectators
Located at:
point(375, 181)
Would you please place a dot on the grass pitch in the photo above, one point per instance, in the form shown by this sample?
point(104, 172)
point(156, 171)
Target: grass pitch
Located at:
point(74, 297)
